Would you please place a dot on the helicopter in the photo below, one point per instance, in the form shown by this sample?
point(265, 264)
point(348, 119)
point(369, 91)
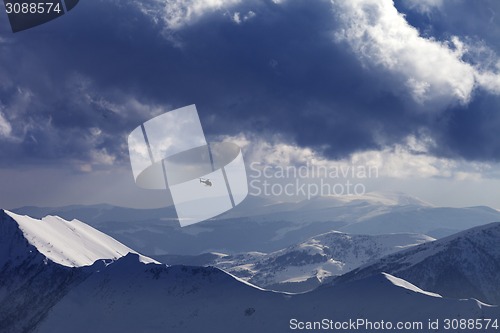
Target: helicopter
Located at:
point(206, 181)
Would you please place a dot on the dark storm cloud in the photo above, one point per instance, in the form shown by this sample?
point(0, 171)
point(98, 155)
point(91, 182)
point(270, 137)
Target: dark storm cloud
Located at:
point(81, 83)
point(468, 131)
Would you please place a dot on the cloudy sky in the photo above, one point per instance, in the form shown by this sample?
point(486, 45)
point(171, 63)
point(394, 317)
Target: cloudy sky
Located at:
point(411, 87)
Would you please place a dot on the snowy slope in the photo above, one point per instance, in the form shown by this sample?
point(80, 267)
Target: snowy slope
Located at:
point(129, 296)
point(306, 265)
point(70, 243)
point(463, 265)
point(37, 264)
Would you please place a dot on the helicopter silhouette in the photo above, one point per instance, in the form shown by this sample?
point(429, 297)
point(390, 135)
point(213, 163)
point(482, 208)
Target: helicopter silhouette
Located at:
point(207, 181)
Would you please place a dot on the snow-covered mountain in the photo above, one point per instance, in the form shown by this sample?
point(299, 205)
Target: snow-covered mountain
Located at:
point(38, 260)
point(128, 296)
point(264, 225)
point(70, 243)
point(136, 294)
point(306, 265)
point(463, 265)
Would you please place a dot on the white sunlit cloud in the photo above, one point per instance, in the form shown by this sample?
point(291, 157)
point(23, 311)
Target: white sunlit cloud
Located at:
point(5, 127)
point(424, 6)
point(14, 124)
point(433, 72)
point(176, 14)
point(181, 12)
point(407, 160)
point(238, 18)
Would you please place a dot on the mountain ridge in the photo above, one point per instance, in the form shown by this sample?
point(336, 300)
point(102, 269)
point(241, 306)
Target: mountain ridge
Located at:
point(264, 225)
point(463, 265)
point(127, 294)
point(69, 243)
point(306, 265)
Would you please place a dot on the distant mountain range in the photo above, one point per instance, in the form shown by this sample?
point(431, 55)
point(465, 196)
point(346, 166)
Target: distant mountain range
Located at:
point(305, 266)
point(463, 265)
point(263, 225)
point(47, 286)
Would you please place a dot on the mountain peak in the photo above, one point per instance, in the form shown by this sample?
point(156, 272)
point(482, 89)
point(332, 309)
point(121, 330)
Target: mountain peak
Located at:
point(69, 243)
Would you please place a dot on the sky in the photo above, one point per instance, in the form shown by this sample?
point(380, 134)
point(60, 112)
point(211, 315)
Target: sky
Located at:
point(409, 87)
